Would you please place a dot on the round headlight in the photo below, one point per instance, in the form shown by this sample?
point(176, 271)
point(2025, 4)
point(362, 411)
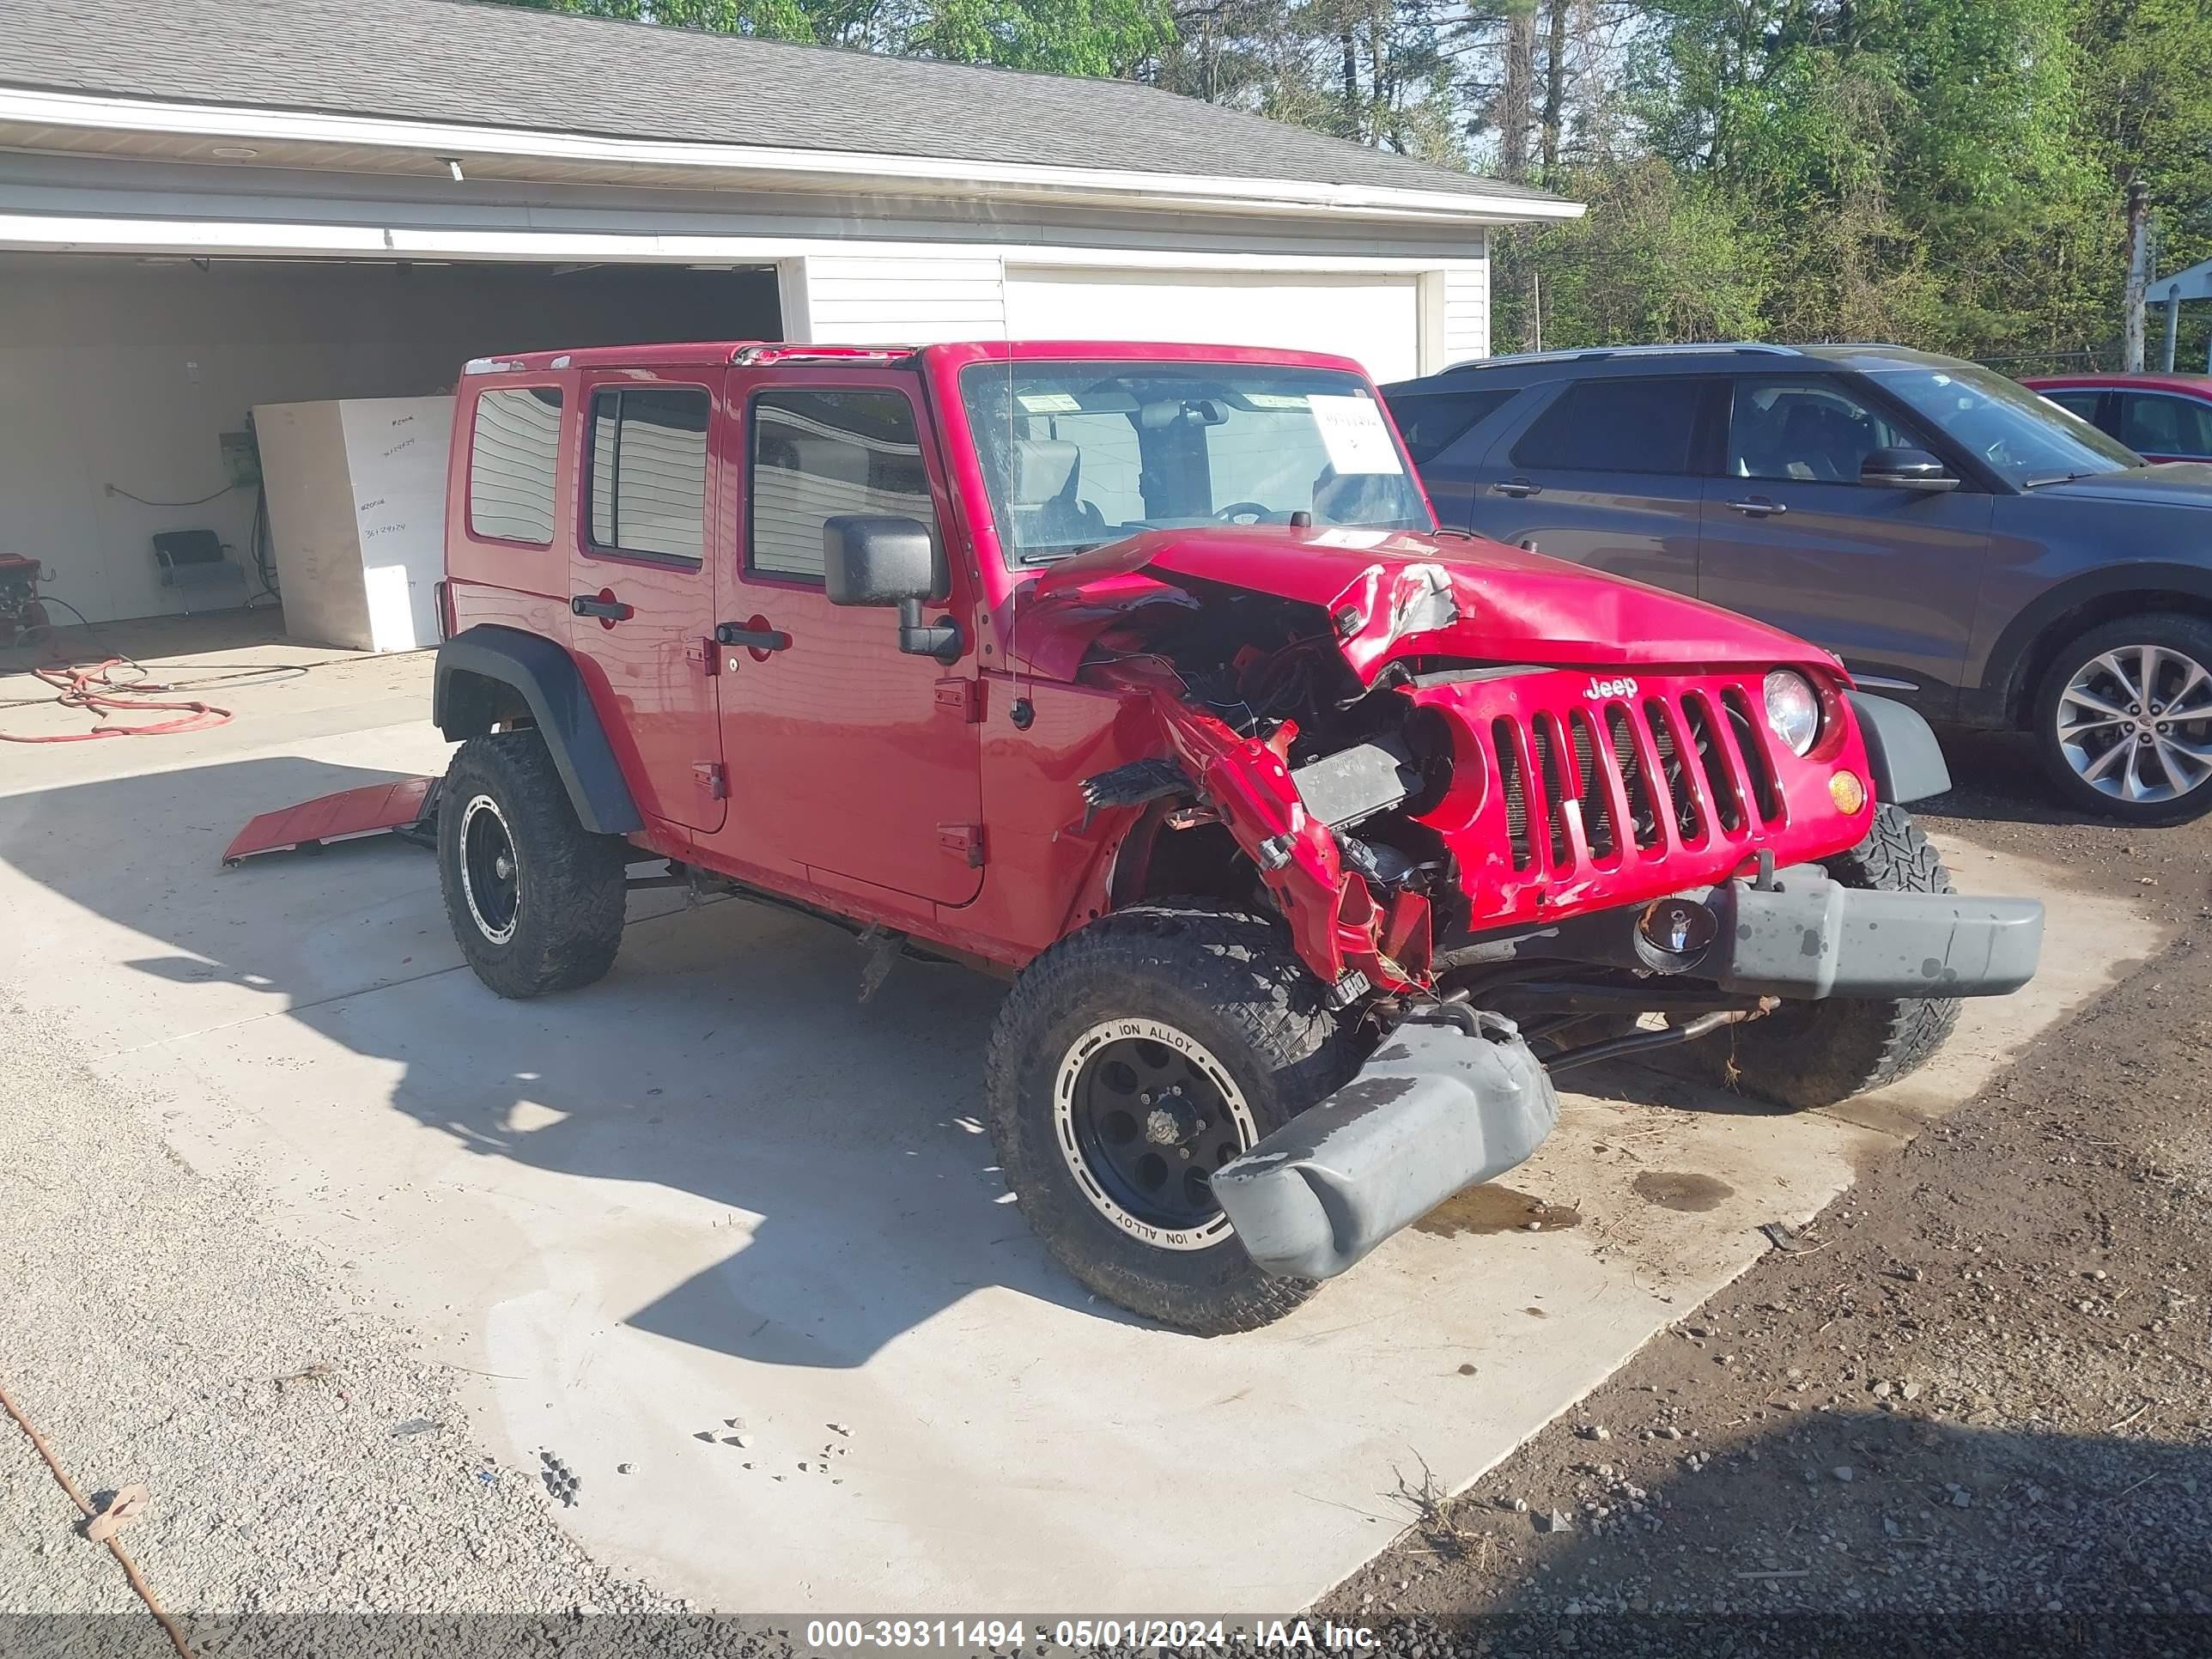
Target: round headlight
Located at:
point(1793, 709)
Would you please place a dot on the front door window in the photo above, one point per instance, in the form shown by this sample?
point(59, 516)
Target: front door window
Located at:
point(1805, 431)
point(819, 453)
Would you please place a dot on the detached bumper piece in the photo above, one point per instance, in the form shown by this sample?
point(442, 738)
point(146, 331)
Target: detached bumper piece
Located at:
point(407, 808)
point(1807, 937)
point(1453, 1097)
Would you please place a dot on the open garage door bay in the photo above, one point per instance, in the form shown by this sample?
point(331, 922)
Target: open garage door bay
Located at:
point(1372, 318)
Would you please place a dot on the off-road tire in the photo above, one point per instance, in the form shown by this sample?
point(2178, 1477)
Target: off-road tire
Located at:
point(2186, 636)
point(1808, 1054)
point(1231, 982)
point(570, 887)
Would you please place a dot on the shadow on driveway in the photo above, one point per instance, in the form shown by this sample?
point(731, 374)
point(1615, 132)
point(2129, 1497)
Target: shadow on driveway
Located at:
point(726, 1056)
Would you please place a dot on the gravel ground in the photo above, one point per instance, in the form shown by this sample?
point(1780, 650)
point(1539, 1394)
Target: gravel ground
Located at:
point(300, 1458)
point(1975, 1414)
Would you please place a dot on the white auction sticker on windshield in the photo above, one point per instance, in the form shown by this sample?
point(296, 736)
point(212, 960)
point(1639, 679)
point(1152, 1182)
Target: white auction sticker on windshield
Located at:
point(1353, 430)
point(1275, 399)
point(1048, 403)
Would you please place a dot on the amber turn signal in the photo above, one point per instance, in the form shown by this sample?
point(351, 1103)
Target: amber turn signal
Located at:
point(1847, 792)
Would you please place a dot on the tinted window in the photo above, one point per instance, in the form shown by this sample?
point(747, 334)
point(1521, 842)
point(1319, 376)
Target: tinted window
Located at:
point(1431, 421)
point(816, 455)
point(2154, 425)
point(2077, 400)
point(1806, 432)
point(648, 488)
point(1614, 426)
point(512, 450)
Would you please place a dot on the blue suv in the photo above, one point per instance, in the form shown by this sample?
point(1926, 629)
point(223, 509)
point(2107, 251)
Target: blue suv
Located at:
point(1961, 542)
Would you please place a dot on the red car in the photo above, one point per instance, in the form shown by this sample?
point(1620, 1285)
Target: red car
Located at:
point(2162, 417)
point(1311, 839)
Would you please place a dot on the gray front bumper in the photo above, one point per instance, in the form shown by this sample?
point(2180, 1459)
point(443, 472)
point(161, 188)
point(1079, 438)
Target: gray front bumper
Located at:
point(1451, 1098)
point(1809, 936)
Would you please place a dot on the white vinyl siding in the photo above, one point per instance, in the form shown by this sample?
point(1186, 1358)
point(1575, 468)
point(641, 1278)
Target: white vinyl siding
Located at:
point(515, 451)
point(1373, 319)
point(892, 300)
point(1466, 313)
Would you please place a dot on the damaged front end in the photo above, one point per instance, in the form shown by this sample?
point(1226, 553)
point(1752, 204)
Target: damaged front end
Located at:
point(1454, 770)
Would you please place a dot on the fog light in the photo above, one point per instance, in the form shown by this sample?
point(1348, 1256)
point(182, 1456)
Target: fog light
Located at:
point(1677, 927)
point(1847, 792)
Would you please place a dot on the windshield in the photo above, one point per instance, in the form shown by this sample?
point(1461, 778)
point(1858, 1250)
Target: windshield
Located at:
point(2026, 438)
point(1076, 455)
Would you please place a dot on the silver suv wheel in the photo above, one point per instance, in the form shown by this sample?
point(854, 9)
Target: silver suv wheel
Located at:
point(2135, 723)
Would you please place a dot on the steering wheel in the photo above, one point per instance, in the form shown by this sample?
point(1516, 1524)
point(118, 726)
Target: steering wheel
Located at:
point(1229, 515)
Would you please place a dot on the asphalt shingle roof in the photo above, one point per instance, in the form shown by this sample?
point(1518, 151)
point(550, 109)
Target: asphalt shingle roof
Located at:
point(454, 60)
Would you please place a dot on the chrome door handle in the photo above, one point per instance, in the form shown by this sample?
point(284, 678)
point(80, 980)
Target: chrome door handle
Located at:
point(1758, 507)
point(1517, 488)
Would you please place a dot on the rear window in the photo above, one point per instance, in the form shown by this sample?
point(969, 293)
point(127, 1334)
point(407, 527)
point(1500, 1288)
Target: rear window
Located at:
point(648, 488)
point(1615, 426)
point(1432, 421)
point(514, 447)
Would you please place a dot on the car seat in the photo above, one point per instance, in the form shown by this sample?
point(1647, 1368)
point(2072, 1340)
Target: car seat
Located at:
point(1047, 473)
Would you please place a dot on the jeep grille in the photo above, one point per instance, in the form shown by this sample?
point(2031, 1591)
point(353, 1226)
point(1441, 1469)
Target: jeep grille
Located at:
point(1581, 781)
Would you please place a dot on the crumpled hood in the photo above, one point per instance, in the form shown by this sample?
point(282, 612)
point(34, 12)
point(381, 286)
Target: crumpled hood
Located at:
point(1396, 593)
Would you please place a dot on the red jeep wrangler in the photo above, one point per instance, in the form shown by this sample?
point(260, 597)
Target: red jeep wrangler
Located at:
point(1311, 838)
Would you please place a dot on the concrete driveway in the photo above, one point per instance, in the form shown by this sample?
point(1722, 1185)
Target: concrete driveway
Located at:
point(716, 1186)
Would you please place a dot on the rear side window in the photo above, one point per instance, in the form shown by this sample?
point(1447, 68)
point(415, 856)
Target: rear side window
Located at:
point(1615, 426)
point(817, 454)
point(1432, 421)
point(512, 449)
point(648, 488)
point(2077, 400)
point(2153, 424)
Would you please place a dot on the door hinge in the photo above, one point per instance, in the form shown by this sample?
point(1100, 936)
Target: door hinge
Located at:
point(964, 839)
point(711, 779)
point(963, 697)
point(705, 656)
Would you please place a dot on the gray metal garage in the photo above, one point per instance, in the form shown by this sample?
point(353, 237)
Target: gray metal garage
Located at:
point(212, 205)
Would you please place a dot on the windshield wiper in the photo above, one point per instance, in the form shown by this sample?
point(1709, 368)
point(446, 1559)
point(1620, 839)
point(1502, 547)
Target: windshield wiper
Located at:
point(2060, 477)
point(1056, 555)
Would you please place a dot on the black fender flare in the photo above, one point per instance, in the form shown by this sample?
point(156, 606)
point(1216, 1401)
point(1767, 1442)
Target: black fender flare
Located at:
point(464, 704)
point(1902, 753)
point(2013, 658)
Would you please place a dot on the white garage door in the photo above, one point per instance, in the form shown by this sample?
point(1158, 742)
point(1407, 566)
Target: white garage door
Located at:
point(1374, 319)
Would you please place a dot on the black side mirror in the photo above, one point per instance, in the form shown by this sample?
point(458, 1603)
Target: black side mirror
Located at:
point(890, 562)
point(1906, 469)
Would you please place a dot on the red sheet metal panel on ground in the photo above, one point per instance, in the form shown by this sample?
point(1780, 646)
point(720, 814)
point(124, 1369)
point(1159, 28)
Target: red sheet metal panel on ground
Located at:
point(403, 805)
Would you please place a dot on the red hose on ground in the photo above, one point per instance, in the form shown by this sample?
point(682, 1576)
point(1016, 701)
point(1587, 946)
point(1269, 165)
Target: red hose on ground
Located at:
point(88, 687)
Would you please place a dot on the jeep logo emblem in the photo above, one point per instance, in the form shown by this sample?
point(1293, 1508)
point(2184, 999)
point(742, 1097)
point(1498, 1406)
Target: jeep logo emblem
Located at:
point(1598, 690)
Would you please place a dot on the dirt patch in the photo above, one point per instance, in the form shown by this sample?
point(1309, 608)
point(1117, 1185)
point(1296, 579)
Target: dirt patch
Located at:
point(1491, 1208)
point(1978, 1404)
